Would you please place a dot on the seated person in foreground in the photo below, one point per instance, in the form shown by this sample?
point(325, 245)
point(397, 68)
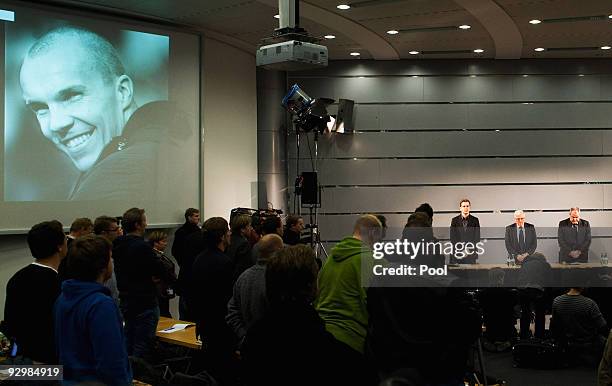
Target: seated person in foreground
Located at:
point(521, 239)
point(577, 323)
point(88, 324)
point(534, 278)
point(497, 304)
point(289, 345)
point(574, 237)
point(605, 366)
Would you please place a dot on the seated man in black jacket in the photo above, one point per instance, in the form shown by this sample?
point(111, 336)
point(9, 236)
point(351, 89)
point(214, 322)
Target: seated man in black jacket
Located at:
point(135, 267)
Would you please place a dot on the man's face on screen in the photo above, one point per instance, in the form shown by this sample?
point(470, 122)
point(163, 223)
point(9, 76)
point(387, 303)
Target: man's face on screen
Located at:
point(76, 108)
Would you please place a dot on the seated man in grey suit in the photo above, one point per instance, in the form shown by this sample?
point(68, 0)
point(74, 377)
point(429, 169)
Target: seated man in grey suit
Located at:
point(574, 237)
point(521, 239)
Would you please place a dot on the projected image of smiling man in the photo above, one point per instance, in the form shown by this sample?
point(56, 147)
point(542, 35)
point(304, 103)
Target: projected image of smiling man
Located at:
point(75, 83)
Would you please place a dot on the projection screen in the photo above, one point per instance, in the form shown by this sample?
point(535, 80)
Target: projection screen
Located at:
point(98, 116)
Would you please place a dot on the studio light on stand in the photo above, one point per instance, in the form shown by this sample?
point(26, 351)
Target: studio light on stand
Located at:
point(308, 115)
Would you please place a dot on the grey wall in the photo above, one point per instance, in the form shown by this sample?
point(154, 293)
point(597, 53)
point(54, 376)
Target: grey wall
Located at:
point(520, 134)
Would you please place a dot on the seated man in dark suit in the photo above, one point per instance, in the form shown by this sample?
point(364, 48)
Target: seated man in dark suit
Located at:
point(521, 239)
point(465, 228)
point(574, 237)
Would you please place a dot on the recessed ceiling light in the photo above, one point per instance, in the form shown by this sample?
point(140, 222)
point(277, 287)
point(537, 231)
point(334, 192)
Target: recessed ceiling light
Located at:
point(343, 6)
point(414, 52)
point(277, 16)
point(535, 21)
point(479, 50)
point(525, 75)
point(472, 76)
point(392, 32)
point(354, 54)
point(329, 36)
point(415, 76)
point(580, 74)
point(539, 49)
point(609, 16)
point(606, 47)
point(465, 26)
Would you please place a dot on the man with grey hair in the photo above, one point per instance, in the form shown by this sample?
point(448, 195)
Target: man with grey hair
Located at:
point(521, 239)
point(76, 85)
point(574, 237)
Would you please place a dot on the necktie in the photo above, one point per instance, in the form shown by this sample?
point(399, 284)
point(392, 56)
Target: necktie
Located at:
point(522, 247)
point(575, 233)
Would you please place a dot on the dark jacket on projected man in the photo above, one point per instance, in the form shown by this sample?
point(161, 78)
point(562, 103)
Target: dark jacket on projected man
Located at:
point(572, 238)
point(514, 247)
point(141, 163)
point(465, 231)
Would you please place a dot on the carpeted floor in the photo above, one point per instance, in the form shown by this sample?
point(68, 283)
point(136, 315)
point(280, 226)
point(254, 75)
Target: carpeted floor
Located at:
point(499, 365)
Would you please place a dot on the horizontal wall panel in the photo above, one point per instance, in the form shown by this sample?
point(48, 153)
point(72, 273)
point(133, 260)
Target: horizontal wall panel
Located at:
point(435, 89)
point(458, 67)
point(482, 116)
point(458, 171)
point(335, 227)
point(465, 144)
point(539, 197)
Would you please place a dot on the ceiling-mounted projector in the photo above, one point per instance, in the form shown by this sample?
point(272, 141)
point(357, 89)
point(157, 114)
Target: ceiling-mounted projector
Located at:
point(290, 48)
point(292, 55)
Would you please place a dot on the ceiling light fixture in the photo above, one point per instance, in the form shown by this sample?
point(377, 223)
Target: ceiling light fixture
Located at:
point(354, 54)
point(343, 6)
point(465, 26)
point(606, 47)
point(535, 21)
point(479, 50)
point(414, 52)
point(392, 32)
point(539, 49)
point(329, 36)
point(277, 16)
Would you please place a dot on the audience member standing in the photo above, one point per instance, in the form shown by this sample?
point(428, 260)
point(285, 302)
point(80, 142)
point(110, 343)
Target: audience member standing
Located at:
point(248, 303)
point(577, 323)
point(465, 228)
point(605, 366)
point(294, 225)
point(31, 294)
point(574, 238)
point(342, 297)
point(165, 285)
point(109, 228)
point(269, 225)
point(88, 325)
point(80, 227)
point(210, 290)
point(183, 238)
point(135, 267)
point(289, 345)
point(239, 250)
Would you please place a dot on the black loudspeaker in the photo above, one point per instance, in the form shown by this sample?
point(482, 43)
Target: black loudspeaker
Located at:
point(310, 188)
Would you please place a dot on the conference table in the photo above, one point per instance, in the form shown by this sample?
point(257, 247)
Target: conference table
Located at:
point(184, 338)
point(562, 275)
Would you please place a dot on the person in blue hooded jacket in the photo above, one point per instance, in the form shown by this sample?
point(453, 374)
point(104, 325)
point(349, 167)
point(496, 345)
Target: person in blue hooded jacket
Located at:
point(88, 324)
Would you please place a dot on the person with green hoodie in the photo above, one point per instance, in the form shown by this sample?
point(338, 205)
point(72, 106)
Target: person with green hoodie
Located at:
point(342, 288)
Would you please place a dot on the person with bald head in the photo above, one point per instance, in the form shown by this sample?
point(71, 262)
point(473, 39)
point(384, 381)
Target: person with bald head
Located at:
point(248, 303)
point(74, 82)
point(342, 294)
point(574, 238)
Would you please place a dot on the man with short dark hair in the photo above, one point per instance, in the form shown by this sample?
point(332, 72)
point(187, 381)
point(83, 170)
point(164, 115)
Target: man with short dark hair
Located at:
point(80, 227)
point(135, 267)
point(211, 285)
point(239, 249)
point(109, 228)
point(31, 294)
point(464, 228)
point(88, 325)
point(186, 239)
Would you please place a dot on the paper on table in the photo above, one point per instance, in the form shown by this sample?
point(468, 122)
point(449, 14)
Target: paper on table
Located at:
point(176, 327)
